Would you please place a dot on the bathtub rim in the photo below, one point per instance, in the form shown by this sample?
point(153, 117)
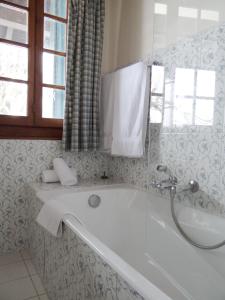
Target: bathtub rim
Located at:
point(47, 195)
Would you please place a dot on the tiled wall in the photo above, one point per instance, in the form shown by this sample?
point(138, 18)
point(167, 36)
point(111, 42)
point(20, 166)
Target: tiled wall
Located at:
point(21, 162)
point(190, 149)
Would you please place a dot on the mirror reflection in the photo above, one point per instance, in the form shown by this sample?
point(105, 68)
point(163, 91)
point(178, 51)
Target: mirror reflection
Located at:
point(188, 99)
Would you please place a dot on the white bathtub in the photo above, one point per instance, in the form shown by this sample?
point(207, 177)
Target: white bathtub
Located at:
point(133, 232)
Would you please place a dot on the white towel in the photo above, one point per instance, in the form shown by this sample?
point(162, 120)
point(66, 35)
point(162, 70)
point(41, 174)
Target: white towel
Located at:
point(51, 215)
point(50, 176)
point(64, 173)
point(106, 114)
point(131, 104)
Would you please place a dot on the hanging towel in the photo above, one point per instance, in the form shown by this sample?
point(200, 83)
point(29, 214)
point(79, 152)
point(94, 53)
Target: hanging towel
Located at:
point(106, 111)
point(50, 217)
point(52, 214)
point(64, 173)
point(131, 104)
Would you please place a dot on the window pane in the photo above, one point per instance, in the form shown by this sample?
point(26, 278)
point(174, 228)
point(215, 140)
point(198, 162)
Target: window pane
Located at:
point(13, 24)
point(54, 35)
point(157, 85)
point(210, 15)
point(13, 99)
point(56, 7)
point(160, 9)
point(156, 109)
point(204, 112)
point(206, 81)
point(19, 2)
point(53, 69)
point(53, 103)
point(14, 61)
point(183, 111)
point(188, 12)
point(168, 104)
point(184, 82)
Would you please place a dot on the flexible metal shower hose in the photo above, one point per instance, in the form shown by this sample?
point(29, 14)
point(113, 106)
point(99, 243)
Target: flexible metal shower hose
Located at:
point(187, 238)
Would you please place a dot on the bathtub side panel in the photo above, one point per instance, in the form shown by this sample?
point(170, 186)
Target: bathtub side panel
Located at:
point(36, 240)
point(125, 291)
point(69, 268)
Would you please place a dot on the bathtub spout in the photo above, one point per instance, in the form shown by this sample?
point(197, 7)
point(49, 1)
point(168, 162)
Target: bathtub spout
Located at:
point(173, 192)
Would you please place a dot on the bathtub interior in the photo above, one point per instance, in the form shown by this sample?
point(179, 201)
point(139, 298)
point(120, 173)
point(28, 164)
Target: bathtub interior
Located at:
point(203, 227)
point(137, 226)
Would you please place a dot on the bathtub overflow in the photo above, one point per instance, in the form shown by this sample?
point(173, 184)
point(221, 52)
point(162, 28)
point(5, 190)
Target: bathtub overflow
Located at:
point(94, 201)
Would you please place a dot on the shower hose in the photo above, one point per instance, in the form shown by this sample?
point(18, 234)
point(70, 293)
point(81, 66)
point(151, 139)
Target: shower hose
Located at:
point(187, 238)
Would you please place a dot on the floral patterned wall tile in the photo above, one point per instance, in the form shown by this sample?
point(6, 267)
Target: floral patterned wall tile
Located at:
point(21, 162)
point(190, 139)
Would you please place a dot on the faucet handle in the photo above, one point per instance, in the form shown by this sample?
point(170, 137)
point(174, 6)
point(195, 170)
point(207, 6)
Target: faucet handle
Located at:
point(162, 168)
point(193, 186)
point(173, 180)
point(156, 184)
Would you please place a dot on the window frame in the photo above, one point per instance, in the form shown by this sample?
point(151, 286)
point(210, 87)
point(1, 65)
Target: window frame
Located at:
point(33, 126)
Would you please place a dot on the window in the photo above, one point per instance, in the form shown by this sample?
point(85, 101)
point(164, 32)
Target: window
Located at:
point(210, 15)
point(160, 9)
point(188, 12)
point(193, 99)
point(32, 67)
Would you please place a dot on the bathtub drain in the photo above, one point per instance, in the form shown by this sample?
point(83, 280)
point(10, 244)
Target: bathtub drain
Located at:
point(94, 201)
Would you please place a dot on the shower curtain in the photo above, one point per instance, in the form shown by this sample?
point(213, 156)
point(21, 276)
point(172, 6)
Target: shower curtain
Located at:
point(84, 56)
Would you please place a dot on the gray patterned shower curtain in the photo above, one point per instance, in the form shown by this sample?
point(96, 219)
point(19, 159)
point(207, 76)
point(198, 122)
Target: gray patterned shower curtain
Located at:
point(84, 56)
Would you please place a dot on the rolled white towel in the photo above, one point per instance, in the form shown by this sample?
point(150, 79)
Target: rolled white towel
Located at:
point(64, 173)
point(50, 176)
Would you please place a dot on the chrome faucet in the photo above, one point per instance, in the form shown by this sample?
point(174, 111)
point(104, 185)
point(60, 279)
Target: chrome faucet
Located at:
point(171, 182)
point(166, 184)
